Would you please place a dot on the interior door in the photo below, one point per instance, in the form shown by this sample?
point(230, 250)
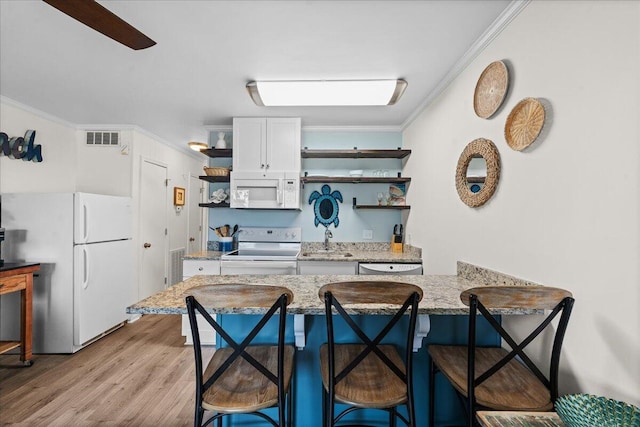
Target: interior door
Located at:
point(194, 196)
point(153, 229)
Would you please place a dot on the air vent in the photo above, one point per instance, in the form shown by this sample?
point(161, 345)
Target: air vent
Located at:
point(175, 269)
point(101, 138)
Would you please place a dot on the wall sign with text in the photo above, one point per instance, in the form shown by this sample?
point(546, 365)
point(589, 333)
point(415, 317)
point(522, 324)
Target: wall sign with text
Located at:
point(18, 147)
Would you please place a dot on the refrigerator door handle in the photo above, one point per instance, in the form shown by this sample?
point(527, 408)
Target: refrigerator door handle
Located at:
point(84, 222)
point(85, 268)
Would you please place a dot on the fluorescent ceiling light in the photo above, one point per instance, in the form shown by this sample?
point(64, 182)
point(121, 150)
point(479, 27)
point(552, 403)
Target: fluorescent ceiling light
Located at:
point(326, 92)
point(197, 146)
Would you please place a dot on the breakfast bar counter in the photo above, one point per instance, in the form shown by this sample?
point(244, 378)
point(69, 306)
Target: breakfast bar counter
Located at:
point(441, 292)
point(442, 319)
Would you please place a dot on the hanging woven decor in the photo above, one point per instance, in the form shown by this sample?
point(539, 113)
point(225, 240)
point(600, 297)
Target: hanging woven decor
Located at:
point(491, 89)
point(486, 149)
point(524, 123)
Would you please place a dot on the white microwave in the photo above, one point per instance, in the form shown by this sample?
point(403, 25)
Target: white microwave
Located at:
point(276, 190)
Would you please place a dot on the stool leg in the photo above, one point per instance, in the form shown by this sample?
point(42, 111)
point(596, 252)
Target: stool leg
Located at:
point(290, 407)
point(197, 419)
point(324, 407)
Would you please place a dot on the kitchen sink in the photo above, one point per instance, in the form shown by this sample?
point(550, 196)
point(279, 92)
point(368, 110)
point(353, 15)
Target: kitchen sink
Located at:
point(328, 254)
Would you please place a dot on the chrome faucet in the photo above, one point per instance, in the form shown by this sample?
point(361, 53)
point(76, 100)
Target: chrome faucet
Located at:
point(327, 236)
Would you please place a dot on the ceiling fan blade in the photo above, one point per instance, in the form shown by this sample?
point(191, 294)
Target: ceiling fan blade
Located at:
point(95, 16)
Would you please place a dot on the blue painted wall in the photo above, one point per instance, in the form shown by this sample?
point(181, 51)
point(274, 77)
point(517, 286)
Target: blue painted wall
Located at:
point(352, 222)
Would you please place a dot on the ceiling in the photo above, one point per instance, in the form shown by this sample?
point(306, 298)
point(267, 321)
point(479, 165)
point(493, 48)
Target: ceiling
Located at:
point(194, 79)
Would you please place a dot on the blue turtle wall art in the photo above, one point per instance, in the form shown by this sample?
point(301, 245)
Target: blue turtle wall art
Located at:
point(325, 206)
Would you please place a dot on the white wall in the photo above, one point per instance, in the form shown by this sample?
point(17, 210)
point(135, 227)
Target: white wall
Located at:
point(105, 169)
point(57, 172)
point(566, 211)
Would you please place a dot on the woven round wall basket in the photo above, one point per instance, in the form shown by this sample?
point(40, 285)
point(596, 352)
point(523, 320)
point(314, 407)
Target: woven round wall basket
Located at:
point(586, 410)
point(491, 89)
point(524, 123)
point(478, 148)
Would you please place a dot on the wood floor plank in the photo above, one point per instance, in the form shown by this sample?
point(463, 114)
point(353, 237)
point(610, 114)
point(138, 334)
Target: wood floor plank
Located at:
point(140, 375)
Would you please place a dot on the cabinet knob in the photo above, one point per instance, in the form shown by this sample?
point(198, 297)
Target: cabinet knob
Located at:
point(267, 166)
point(262, 166)
point(147, 245)
point(200, 268)
point(192, 239)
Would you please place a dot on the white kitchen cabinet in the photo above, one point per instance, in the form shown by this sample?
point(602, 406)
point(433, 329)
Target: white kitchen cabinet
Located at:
point(194, 267)
point(266, 144)
point(327, 267)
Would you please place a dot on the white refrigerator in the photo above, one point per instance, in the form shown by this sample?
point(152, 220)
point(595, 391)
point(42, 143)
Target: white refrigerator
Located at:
point(86, 280)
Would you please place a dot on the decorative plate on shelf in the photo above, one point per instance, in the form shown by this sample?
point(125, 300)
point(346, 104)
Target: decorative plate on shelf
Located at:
point(524, 123)
point(491, 89)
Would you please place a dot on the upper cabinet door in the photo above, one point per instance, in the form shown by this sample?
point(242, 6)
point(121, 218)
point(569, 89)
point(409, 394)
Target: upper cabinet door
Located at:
point(249, 144)
point(266, 145)
point(283, 144)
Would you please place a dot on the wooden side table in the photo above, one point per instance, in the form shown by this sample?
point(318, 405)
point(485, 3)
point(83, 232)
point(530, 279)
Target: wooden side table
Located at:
point(519, 419)
point(18, 277)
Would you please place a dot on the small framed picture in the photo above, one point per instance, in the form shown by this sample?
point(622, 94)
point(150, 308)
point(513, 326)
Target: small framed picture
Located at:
point(178, 196)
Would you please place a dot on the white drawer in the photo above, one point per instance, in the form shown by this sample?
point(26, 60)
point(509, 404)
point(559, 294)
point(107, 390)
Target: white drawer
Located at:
point(193, 267)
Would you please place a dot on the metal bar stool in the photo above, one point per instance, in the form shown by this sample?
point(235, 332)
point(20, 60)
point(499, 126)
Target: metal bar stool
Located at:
point(499, 380)
point(242, 378)
point(368, 374)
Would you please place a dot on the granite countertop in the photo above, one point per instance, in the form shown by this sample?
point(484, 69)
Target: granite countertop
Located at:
point(358, 252)
point(441, 292)
point(203, 255)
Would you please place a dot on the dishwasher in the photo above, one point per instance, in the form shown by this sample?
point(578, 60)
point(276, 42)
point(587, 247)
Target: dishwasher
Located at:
point(387, 268)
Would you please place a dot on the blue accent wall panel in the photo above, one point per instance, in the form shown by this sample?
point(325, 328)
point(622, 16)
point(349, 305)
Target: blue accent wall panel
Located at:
point(307, 381)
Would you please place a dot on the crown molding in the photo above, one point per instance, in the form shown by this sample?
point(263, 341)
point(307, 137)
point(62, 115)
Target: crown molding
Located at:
point(219, 128)
point(501, 22)
point(138, 129)
point(93, 127)
point(35, 111)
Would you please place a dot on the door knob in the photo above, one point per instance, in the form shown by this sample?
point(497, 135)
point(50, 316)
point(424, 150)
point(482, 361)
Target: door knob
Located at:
point(147, 245)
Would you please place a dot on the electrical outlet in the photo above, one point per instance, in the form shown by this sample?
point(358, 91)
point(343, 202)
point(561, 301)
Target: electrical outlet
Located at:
point(367, 234)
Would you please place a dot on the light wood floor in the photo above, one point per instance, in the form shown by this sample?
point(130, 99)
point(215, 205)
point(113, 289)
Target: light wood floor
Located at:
point(140, 375)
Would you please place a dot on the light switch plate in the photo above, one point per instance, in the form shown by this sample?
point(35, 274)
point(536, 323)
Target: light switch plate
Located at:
point(367, 234)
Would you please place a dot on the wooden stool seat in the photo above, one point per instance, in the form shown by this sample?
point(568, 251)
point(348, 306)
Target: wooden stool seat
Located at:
point(371, 384)
point(503, 378)
point(514, 387)
point(367, 374)
point(242, 388)
point(241, 377)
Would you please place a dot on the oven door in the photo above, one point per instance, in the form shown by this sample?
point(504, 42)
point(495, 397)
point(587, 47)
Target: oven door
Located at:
point(257, 267)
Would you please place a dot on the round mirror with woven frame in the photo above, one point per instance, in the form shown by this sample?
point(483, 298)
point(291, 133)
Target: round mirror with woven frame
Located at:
point(487, 150)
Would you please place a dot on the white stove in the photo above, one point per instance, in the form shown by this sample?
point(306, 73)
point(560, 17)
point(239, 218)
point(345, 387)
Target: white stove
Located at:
point(264, 250)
